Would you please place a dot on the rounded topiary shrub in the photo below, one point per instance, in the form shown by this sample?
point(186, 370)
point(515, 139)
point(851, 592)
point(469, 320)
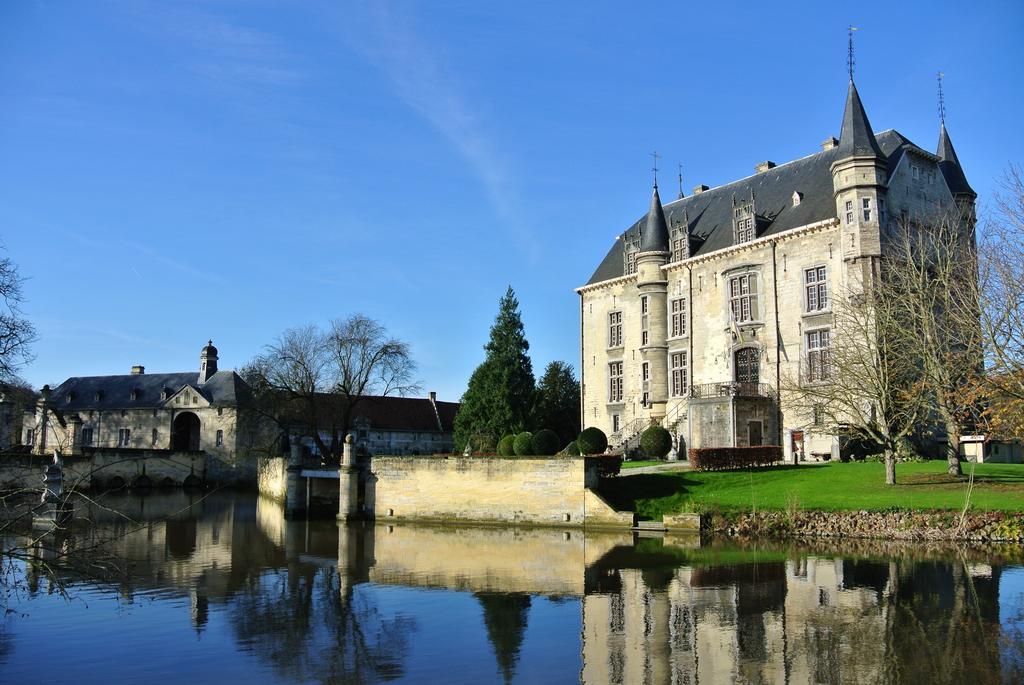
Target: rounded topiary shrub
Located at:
point(592, 441)
point(655, 442)
point(545, 443)
point(572, 449)
point(505, 446)
point(523, 444)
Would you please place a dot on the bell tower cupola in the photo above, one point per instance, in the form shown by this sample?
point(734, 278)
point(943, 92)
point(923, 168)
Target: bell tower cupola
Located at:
point(207, 362)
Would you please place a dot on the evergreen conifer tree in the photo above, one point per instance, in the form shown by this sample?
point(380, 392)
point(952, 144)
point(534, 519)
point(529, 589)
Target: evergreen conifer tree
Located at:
point(558, 402)
point(499, 398)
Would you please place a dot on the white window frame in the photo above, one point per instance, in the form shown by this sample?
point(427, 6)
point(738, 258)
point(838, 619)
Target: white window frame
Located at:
point(819, 288)
point(614, 329)
point(865, 205)
point(616, 382)
point(124, 437)
point(680, 373)
point(677, 318)
point(817, 343)
point(744, 301)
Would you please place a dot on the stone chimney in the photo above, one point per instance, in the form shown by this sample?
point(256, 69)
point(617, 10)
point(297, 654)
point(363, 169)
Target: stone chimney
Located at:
point(138, 370)
point(433, 397)
point(697, 190)
point(829, 143)
point(764, 166)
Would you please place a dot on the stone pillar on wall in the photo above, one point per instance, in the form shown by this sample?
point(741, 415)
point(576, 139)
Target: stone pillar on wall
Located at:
point(42, 420)
point(348, 483)
point(295, 494)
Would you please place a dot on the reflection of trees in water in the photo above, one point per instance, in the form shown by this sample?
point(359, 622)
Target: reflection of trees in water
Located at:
point(1012, 645)
point(944, 626)
point(308, 628)
point(505, 616)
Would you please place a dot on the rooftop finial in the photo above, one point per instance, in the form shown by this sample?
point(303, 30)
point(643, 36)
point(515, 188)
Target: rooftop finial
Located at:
point(942, 98)
point(680, 181)
point(655, 156)
point(850, 61)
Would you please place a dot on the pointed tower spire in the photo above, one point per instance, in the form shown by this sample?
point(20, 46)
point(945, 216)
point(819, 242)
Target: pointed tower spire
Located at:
point(857, 137)
point(949, 164)
point(655, 234)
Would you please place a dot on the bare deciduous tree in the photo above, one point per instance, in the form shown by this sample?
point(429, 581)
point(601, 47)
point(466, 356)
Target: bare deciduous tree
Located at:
point(16, 332)
point(869, 387)
point(932, 281)
point(318, 377)
point(1001, 260)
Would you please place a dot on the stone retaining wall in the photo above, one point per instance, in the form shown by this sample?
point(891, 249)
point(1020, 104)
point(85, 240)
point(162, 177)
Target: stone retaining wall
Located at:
point(916, 525)
point(531, 490)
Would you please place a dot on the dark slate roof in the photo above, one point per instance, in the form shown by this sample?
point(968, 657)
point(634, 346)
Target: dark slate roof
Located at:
point(710, 213)
point(950, 165)
point(225, 388)
point(406, 413)
point(856, 138)
point(654, 237)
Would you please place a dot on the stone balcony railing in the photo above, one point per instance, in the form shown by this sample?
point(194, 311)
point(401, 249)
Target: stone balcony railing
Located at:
point(731, 389)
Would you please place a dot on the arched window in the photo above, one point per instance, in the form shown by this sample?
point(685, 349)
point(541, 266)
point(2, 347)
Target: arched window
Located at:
point(748, 365)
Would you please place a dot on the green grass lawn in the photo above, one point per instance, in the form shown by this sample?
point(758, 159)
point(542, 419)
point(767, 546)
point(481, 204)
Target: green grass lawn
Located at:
point(641, 462)
point(831, 486)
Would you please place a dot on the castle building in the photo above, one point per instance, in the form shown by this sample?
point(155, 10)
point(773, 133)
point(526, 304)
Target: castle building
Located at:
point(184, 411)
point(705, 304)
point(210, 411)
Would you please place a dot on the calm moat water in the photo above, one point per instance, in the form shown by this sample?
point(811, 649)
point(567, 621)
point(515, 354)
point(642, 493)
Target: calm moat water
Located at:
point(172, 587)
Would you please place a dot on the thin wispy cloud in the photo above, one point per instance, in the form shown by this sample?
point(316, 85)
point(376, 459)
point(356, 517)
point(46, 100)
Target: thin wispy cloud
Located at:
point(424, 81)
point(219, 49)
point(150, 254)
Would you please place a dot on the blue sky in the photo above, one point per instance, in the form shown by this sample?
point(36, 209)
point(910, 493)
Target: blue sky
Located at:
point(176, 171)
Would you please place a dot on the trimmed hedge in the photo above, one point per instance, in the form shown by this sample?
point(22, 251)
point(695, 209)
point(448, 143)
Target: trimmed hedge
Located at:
point(523, 444)
point(505, 446)
point(655, 442)
point(545, 443)
point(592, 441)
point(723, 458)
point(609, 465)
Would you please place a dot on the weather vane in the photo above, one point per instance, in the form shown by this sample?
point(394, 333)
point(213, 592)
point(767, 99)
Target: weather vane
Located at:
point(850, 61)
point(656, 157)
point(942, 99)
point(680, 180)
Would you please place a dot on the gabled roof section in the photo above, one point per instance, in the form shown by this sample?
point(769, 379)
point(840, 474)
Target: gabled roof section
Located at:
point(710, 213)
point(950, 165)
point(654, 237)
point(225, 388)
point(856, 138)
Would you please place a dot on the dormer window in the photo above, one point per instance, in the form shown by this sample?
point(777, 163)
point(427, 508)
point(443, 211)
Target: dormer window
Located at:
point(631, 247)
point(797, 197)
point(679, 239)
point(743, 222)
point(135, 394)
point(99, 395)
point(70, 396)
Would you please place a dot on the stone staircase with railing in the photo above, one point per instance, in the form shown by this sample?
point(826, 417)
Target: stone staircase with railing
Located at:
point(628, 437)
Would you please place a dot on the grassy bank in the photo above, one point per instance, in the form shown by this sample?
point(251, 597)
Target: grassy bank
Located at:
point(828, 487)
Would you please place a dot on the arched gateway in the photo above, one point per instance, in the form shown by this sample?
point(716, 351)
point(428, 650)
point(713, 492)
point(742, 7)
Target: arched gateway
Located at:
point(186, 432)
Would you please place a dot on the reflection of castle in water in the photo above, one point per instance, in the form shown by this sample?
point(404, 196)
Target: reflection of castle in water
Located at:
point(650, 611)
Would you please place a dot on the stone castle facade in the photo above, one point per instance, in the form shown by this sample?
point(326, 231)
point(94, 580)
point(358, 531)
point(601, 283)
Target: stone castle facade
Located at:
point(703, 306)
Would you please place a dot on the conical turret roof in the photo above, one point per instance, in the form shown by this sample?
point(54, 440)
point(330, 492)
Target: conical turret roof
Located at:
point(950, 165)
point(856, 138)
point(654, 237)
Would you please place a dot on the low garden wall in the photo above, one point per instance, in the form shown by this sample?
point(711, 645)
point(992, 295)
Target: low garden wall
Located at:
point(920, 525)
point(530, 490)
